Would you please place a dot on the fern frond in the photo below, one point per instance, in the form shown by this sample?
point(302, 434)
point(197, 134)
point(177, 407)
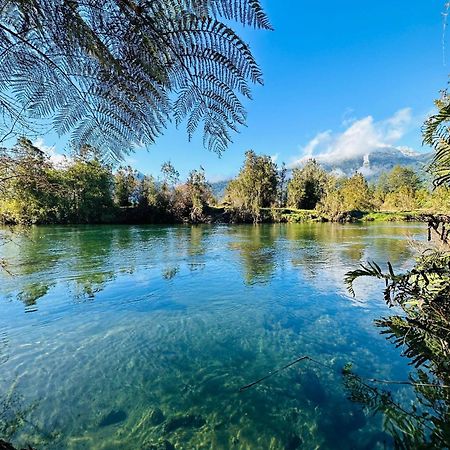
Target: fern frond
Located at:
point(113, 73)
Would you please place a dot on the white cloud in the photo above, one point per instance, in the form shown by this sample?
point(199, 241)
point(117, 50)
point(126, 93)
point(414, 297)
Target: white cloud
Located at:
point(217, 178)
point(57, 159)
point(275, 157)
point(317, 141)
point(360, 138)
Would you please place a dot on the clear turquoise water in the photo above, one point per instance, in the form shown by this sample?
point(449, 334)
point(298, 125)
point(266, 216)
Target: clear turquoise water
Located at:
point(126, 337)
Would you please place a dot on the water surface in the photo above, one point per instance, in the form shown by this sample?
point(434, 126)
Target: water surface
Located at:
point(116, 337)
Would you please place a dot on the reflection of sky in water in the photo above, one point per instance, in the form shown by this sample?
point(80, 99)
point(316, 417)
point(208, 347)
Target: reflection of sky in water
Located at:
point(120, 322)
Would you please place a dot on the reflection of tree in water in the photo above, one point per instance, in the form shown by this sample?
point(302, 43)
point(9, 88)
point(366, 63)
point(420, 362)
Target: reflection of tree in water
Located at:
point(197, 247)
point(36, 256)
point(169, 273)
point(32, 292)
point(256, 246)
point(333, 248)
point(318, 247)
point(45, 253)
point(93, 257)
point(196, 240)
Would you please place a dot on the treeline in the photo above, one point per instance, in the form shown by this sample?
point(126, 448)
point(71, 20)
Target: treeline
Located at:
point(262, 189)
point(83, 190)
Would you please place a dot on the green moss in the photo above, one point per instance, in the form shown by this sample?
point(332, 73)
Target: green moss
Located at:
point(396, 216)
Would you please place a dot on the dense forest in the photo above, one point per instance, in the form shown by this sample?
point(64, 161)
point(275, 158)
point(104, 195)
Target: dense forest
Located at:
point(84, 190)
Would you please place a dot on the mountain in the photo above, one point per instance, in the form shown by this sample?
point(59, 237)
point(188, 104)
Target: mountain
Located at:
point(372, 164)
point(218, 188)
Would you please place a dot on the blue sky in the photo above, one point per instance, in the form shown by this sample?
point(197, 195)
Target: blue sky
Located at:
point(337, 75)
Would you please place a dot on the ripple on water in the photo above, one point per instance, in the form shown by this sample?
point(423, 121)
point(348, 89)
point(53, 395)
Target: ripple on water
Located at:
point(119, 355)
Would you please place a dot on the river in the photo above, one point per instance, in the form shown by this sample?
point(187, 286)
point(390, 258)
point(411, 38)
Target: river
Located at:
point(118, 337)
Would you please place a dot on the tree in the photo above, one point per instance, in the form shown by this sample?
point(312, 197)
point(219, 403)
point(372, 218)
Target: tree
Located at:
point(307, 186)
point(191, 198)
point(255, 187)
point(398, 189)
point(344, 196)
point(125, 185)
point(399, 177)
point(35, 191)
point(282, 186)
point(113, 74)
point(25, 184)
point(356, 194)
point(87, 187)
point(171, 176)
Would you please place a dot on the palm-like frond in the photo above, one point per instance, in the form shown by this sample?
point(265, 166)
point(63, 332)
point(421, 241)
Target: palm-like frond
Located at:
point(113, 73)
point(436, 133)
point(423, 294)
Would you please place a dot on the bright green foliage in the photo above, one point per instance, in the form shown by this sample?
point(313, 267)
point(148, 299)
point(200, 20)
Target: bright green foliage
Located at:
point(399, 177)
point(192, 198)
point(307, 186)
point(83, 190)
point(33, 191)
point(399, 190)
point(356, 194)
point(438, 201)
point(86, 191)
point(25, 185)
point(126, 184)
point(112, 74)
point(254, 188)
point(344, 196)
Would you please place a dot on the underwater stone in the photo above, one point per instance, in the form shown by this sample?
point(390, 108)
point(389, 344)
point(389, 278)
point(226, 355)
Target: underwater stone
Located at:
point(7, 446)
point(354, 420)
point(114, 417)
point(156, 417)
point(187, 421)
point(294, 443)
point(313, 388)
point(164, 445)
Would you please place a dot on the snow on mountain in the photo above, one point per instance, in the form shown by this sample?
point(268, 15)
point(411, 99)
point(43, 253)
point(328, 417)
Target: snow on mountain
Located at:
point(379, 160)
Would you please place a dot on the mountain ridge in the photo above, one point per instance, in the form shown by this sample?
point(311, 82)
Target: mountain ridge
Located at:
point(371, 164)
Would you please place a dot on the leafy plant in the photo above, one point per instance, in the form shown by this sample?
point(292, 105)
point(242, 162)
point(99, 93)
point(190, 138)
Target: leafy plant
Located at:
point(422, 330)
point(112, 75)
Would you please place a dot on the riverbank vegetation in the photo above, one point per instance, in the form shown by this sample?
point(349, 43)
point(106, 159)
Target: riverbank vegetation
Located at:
point(82, 189)
point(421, 324)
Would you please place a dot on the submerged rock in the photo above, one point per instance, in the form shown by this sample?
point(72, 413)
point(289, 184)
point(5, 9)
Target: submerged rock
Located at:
point(156, 417)
point(187, 421)
point(164, 445)
point(114, 417)
point(7, 446)
point(293, 443)
point(313, 389)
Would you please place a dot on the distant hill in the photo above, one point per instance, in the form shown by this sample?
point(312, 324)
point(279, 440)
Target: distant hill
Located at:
point(218, 188)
